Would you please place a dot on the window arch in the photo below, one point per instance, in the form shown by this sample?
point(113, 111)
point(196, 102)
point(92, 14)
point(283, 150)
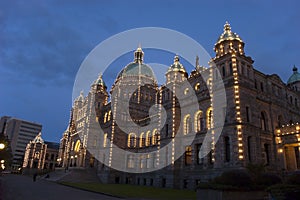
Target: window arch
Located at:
point(105, 117)
point(77, 146)
point(198, 121)
point(209, 118)
point(155, 137)
point(131, 142)
point(105, 140)
point(263, 121)
point(109, 115)
point(142, 139)
point(148, 138)
point(187, 124)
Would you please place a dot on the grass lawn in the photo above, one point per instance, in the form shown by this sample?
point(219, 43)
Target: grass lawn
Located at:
point(134, 191)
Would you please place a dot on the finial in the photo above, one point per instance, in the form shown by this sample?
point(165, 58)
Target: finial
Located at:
point(197, 60)
point(295, 69)
point(138, 54)
point(227, 27)
point(81, 93)
point(176, 58)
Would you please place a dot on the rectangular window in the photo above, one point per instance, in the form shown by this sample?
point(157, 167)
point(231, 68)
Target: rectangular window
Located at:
point(262, 86)
point(197, 154)
point(188, 155)
point(247, 114)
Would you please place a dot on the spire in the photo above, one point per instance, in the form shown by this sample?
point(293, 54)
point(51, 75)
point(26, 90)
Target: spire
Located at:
point(295, 69)
point(138, 55)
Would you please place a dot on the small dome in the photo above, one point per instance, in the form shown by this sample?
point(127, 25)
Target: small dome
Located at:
point(228, 34)
point(99, 81)
point(295, 77)
point(137, 67)
point(177, 66)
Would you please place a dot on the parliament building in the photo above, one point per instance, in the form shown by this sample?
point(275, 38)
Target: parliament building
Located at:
point(261, 121)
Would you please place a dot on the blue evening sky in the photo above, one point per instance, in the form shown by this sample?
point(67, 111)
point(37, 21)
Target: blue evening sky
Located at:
point(43, 43)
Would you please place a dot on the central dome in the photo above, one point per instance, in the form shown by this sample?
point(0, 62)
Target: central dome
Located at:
point(137, 67)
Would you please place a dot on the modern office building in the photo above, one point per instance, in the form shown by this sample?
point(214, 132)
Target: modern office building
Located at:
point(20, 133)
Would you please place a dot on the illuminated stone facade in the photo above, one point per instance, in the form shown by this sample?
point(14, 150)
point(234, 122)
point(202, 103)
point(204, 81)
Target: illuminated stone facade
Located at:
point(40, 155)
point(257, 104)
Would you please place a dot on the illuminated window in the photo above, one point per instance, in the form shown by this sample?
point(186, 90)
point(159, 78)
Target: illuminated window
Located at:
point(188, 155)
point(186, 91)
point(209, 118)
point(105, 140)
point(198, 121)
point(105, 117)
point(131, 142)
point(148, 138)
point(155, 137)
point(77, 146)
point(197, 86)
point(130, 161)
point(187, 124)
point(109, 114)
point(142, 139)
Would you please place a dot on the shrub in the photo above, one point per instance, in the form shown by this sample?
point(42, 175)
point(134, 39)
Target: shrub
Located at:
point(238, 178)
point(293, 179)
point(268, 179)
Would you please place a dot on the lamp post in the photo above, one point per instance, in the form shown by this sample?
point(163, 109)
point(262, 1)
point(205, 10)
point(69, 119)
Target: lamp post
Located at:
point(71, 161)
point(2, 146)
point(75, 160)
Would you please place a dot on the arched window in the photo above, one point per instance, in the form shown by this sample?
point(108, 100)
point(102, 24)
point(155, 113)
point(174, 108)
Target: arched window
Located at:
point(188, 155)
point(131, 142)
point(209, 119)
point(187, 124)
point(263, 121)
point(227, 148)
point(223, 71)
point(109, 115)
point(77, 146)
point(148, 138)
point(198, 121)
point(105, 117)
point(155, 137)
point(105, 140)
point(142, 139)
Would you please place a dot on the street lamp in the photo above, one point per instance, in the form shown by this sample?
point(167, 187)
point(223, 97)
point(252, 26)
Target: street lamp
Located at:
point(2, 146)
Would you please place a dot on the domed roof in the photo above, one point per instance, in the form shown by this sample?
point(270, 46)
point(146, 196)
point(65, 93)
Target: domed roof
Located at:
point(294, 77)
point(137, 67)
point(99, 81)
point(228, 34)
point(176, 66)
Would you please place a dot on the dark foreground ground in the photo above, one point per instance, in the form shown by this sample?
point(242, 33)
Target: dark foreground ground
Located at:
point(17, 187)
